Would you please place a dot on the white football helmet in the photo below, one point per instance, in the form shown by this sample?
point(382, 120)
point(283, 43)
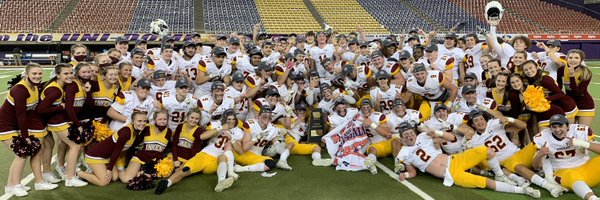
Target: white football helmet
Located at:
point(493, 12)
point(159, 27)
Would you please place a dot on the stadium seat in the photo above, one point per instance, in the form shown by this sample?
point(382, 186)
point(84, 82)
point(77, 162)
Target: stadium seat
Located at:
point(18, 15)
point(178, 14)
point(286, 16)
point(346, 16)
point(111, 16)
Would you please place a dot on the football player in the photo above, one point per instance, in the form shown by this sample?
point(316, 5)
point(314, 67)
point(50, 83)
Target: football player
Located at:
point(432, 86)
point(214, 104)
point(211, 70)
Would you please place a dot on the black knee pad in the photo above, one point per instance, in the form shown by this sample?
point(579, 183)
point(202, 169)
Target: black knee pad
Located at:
point(270, 163)
point(185, 169)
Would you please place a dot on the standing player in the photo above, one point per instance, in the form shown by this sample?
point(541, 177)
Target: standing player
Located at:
point(190, 60)
point(126, 102)
point(162, 87)
point(211, 70)
point(385, 93)
point(179, 103)
point(239, 92)
point(214, 104)
point(433, 87)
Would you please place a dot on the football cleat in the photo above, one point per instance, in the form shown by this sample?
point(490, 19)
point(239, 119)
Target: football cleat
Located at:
point(162, 186)
point(399, 167)
point(282, 164)
point(505, 179)
point(370, 164)
point(224, 184)
point(233, 175)
point(532, 192)
point(555, 190)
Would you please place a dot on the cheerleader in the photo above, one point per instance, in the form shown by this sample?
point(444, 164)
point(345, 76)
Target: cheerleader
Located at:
point(576, 78)
point(554, 94)
point(79, 54)
point(101, 157)
point(153, 140)
point(126, 81)
point(76, 95)
point(52, 106)
point(103, 93)
point(19, 118)
point(186, 139)
point(102, 61)
point(500, 95)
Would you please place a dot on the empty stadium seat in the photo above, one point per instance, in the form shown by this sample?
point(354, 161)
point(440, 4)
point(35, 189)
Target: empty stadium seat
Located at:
point(111, 16)
point(178, 14)
point(230, 16)
point(29, 15)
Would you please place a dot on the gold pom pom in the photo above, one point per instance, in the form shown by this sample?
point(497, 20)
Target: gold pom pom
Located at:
point(535, 99)
point(102, 131)
point(164, 167)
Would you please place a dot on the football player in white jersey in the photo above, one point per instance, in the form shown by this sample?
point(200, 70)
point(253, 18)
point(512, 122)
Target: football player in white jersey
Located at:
point(320, 52)
point(358, 78)
point(503, 50)
point(212, 158)
point(445, 121)
point(127, 102)
point(329, 97)
point(378, 131)
point(280, 112)
point(239, 92)
point(492, 133)
point(567, 147)
point(440, 62)
point(433, 87)
point(179, 103)
point(472, 101)
point(233, 49)
point(167, 62)
point(292, 138)
point(471, 79)
point(161, 86)
point(214, 104)
point(401, 114)
point(378, 63)
point(262, 132)
point(552, 59)
point(385, 93)
point(471, 61)
point(139, 69)
point(216, 68)
point(406, 62)
point(420, 152)
point(189, 61)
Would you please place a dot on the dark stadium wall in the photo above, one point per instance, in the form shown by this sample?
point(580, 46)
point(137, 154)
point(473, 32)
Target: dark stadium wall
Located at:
point(579, 5)
point(591, 48)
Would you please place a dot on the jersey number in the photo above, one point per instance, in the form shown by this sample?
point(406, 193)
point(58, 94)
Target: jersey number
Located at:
point(423, 155)
point(221, 142)
point(386, 105)
point(160, 95)
point(192, 72)
point(496, 143)
point(469, 62)
point(262, 143)
point(178, 117)
point(564, 154)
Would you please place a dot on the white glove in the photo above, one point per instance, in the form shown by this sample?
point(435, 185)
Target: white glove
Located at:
point(399, 167)
point(481, 107)
point(581, 143)
point(350, 92)
point(395, 136)
point(289, 110)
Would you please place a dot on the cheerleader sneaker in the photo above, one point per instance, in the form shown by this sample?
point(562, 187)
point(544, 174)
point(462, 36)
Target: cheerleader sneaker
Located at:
point(17, 191)
point(61, 172)
point(75, 182)
point(26, 188)
point(50, 178)
point(45, 186)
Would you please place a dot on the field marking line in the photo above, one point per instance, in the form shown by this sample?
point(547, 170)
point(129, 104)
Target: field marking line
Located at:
point(26, 181)
point(409, 185)
point(596, 99)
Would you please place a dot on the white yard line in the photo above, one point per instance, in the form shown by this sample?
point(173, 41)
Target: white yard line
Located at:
point(26, 181)
point(409, 185)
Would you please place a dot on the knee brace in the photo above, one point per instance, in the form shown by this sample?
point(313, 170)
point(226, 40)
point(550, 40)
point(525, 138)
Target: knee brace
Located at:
point(185, 169)
point(270, 163)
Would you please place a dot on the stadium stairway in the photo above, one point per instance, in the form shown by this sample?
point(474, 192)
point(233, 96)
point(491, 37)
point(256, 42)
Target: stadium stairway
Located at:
point(346, 16)
point(315, 13)
point(421, 14)
point(199, 16)
point(63, 15)
point(286, 16)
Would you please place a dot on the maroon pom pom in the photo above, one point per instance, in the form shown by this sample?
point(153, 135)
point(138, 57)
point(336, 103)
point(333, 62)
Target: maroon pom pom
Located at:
point(141, 182)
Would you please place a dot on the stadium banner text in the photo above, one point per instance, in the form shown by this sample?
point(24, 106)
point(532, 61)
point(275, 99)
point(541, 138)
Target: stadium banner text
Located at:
point(93, 37)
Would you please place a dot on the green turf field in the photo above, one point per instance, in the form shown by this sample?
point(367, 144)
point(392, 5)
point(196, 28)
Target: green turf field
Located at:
point(304, 182)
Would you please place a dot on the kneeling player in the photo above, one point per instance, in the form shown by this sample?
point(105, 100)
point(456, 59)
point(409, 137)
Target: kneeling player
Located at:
point(420, 151)
point(293, 146)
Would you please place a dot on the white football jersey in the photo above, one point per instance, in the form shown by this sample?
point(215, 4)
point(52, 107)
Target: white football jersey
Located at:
point(562, 155)
point(318, 55)
point(334, 119)
point(495, 138)
point(298, 131)
point(178, 110)
point(456, 119)
point(277, 111)
point(421, 154)
point(128, 102)
point(360, 82)
point(386, 103)
point(206, 102)
point(547, 65)
point(241, 108)
point(159, 93)
point(377, 118)
point(169, 66)
point(327, 106)
point(394, 120)
point(460, 104)
point(209, 68)
point(472, 60)
point(252, 126)
point(190, 66)
point(432, 90)
point(216, 144)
